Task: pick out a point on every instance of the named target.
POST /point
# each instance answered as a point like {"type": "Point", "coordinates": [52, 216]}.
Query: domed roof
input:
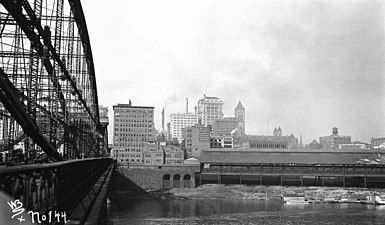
{"type": "Point", "coordinates": [192, 161]}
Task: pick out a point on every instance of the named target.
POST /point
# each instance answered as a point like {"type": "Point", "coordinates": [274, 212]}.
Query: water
{"type": "Point", "coordinates": [127, 210]}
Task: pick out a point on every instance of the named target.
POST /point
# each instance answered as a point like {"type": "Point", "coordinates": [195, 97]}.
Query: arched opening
{"type": "Point", "coordinates": [187, 180]}
{"type": "Point", "coordinates": [176, 183]}
{"type": "Point", "coordinates": [187, 177]}
{"type": "Point", "coordinates": [167, 181]}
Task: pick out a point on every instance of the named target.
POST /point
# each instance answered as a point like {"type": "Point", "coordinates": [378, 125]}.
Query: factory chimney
{"type": "Point", "coordinates": [163, 119]}
{"type": "Point", "coordinates": [186, 105]}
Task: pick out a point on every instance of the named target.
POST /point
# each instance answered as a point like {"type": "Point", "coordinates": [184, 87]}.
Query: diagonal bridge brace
{"type": "Point", "coordinates": [8, 96]}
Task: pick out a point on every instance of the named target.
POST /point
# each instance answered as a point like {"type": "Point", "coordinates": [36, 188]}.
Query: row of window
{"type": "Point", "coordinates": [132, 112]}
{"type": "Point", "coordinates": [129, 144]}
{"type": "Point", "coordinates": [133, 134]}
{"type": "Point", "coordinates": [268, 146]}
{"type": "Point", "coordinates": [132, 125]}
{"type": "Point", "coordinates": [130, 150]}
{"type": "Point", "coordinates": [148, 155]}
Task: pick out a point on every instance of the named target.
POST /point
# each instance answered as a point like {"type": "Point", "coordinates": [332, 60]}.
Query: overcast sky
{"type": "Point", "coordinates": [305, 66]}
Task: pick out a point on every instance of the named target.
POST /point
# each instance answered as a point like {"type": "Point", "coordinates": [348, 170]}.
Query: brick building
{"type": "Point", "coordinates": [335, 140]}
{"type": "Point", "coordinates": [173, 154]}
{"type": "Point", "coordinates": [153, 154]}
{"type": "Point", "coordinates": [196, 138]}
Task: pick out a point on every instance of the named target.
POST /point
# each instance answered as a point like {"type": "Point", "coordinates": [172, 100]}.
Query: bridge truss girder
{"type": "Point", "coordinates": [47, 85]}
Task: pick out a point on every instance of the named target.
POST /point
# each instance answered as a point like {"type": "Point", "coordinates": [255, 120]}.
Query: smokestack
{"type": "Point", "coordinates": [186, 105]}
{"type": "Point", "coordinates": [163, 119]}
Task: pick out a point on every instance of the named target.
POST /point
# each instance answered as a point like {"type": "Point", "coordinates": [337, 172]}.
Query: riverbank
{"type": "Point", "coordinates": [247, 192]}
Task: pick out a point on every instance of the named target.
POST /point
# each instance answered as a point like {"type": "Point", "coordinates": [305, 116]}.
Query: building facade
{"type": "Point", "coordinates": [208, 109]}
{"type": "Point", "coordinates": [277, 141]}
{"type": "Point", "coordinates": [314, 145]}
{"type": "Point", "coordinates": [378, 143]}
{"type": "Point", "coordinates": [354, 146]}
{"type": "Point", "coordinates": [173, 155]}
{"type": "Point", "coordinates": [178, 121]}
{"type": "Point", "coordinates": [196, 138]}
{"type": "Point", "coordinates": [335, 140]}
{"type": "Point", "coordinates": [221, 142]}
{"type": "Point", "coordinates": [133, 128]}
{"type": "Point", "coordinates": [224, 126]}
{"type": "Point", "coordinates": [234, 126]}
{"type": "Point", "coordinates": [104, 121]}
{"type": "Point", "coordinates": [153, 154]}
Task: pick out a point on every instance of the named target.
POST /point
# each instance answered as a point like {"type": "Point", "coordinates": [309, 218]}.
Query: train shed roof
{"type": "Point", "coordinates": [318, 156]}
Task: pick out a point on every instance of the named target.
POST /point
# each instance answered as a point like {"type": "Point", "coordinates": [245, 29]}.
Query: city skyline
{"type": "Point", "coordinates": [306, 66]}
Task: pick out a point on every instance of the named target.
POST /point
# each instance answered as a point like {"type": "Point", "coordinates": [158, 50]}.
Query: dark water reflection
{"type": "Point", "coordinates": [175, 211]}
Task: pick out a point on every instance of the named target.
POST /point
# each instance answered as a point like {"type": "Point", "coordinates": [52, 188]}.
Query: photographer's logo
{"type": "Point", "coordinates": [17, 210]}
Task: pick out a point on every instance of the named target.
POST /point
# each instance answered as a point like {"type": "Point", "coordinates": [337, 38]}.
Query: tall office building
{"type": "Point", "coordinates": [208, 109]}
{"type": "Point", "coordinates": [133, 128]}
{"type": "Point", "coordinates": [178, 121]}
{"type": "Point", "coordinates": [240, 115]}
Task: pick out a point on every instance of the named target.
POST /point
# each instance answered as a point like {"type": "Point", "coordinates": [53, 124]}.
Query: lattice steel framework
{"type": "Point", "coordinates": [47, 82]}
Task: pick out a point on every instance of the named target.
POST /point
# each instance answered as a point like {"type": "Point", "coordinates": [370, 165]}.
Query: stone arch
{"type": "Point", "coordinates": [167, 183]}
{"type": "Point", "coordinates": [166, 177]}
{"type": "Point", "coordinates": [176, 180]}
{"type": "Point", "coordinates": [187, 177]}
{"type": "Point", "coordinates": [187, 180]}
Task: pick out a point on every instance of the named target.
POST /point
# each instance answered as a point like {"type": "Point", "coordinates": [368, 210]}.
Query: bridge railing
{"type": "Point", "coordinates": [57, 186]}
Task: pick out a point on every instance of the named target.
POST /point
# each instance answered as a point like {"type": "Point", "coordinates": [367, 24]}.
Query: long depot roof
{"type": "Point", "coordinates": [296, 156]}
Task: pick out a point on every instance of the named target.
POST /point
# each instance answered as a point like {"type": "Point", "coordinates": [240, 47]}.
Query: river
{"type": "Point", "coordinates": [127, 210]}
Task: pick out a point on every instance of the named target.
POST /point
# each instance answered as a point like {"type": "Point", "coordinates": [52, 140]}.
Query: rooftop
{"type": "Point", "coordinates": [297, 156]}
{"type": "Point", "coordinates": [131, 106]}
{"type": "Point", "coordinates": [267, 138]}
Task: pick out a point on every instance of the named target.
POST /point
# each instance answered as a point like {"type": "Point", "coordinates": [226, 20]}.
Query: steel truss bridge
{"type": "Point", "coordinates": [49, 111]}
{"type": "Point", "coordinates": [47, 81]}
